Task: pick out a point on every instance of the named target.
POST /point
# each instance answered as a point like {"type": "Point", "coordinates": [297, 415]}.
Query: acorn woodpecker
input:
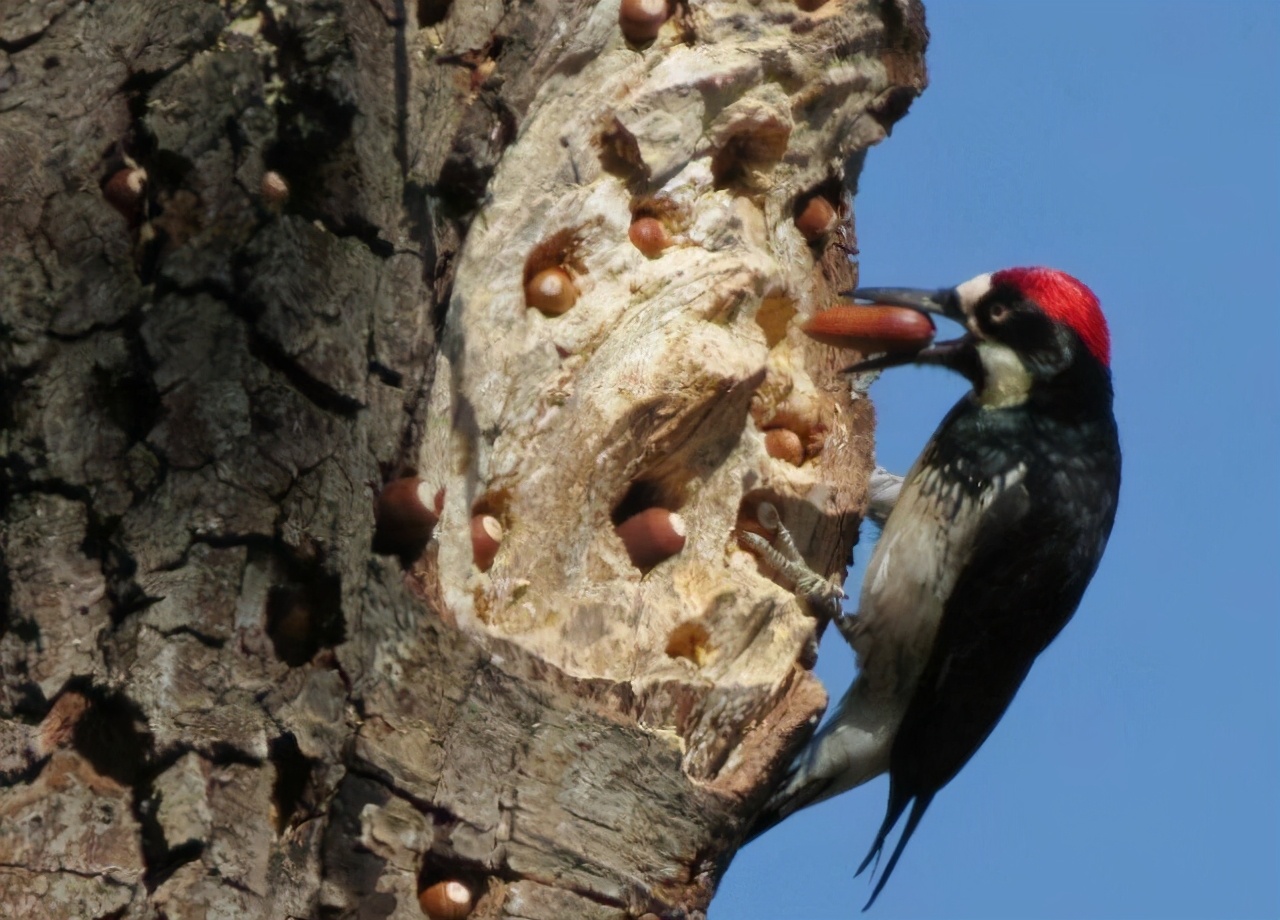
{"type": "Point", "coordinates": [993, 538]}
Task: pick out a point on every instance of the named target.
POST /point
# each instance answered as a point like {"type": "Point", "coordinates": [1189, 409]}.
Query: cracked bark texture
{"type": "Point", "coordinates": [215, 699]}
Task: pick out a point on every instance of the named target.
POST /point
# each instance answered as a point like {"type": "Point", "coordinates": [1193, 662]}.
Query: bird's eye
{"type": "Point", "coordinates": [997, 312]}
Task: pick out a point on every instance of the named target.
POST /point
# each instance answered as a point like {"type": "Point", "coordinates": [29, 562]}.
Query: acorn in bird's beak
{"type": "Point", "coordinates": [894, 322]}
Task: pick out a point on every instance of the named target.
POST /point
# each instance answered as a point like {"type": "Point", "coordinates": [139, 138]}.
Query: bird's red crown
{"type": "Point", "coordinates": [1064, 300]}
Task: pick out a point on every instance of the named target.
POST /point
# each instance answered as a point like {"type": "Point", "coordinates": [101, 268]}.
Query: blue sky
{"type": "Point", "coordinates": [1137, 775]}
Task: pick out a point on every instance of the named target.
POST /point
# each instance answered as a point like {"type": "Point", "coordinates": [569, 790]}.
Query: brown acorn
{"type": "Point", "coordinates": [641, 20]}
{"type": "Point", "coordinates": [404, 516]}
{"type": "Point", "coordinates": [871, 328]}
{"type": "Point", "coordinates": [784, 444]}
{"type": "Point", "coordinates": [551, 291]}
{"type": "Point", "coordinates": [652, 536]}
{"type": "Point", "coordinates": [446, 900]}
{"type": "Point", "coordinates": [649, 236]}
{"type": "Point", "coordinates": [816, 219]}
{"type": "Point", "coordinates": [125, 190]}
{"type": "Point", "coordinates": [486, 537]}
{"type": "Point", "coordinates": [273, 188]}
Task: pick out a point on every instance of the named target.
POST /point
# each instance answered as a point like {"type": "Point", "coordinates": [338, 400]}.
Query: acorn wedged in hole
{"type": "Point", "coordinates": [649, 236]}
{"type": "Point", "coordinates": [274, 188]}
{"type": "Point", "coordinates": [486, 537]}
{"type": "Point", "coordinates": [447, 900]}
{"type": "Point", "coordinates": [651, 536]}
{"type": "Point", "coordinates": [405, 516]}
{"type": "Point", "coordinates": [871, 328]}
{"type": "Point", "coordinates": [125, 190]}
{"type": "Point", "coordinates": [784, 444]}
{"type": "Point", "coordinates": [551, 291]}
{"type": "Point", "coordinates": [641, 20]}
{"type": "Point", "coordinates": [816, 219]}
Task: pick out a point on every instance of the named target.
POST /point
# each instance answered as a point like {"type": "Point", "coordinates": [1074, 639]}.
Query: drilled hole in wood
{"type": "Point", "coordinates": [432, 12]}
{"type": "Point", "coordinates": [774, 316]}
{"type": "Point", "coordinates": [292, 782]}
{"type": "Point", "coordinates": [305, 614]}
{"type": "Point", "coordinates": [754, 148]}
{"type": "Point", "coordinates": [111, 733]}
{"type": "Point", "coordinates": [691, 641]}
{"type": "Point", "coordinates": [620, 155]}
{"type": "Point", "coordinates": [640, 495]}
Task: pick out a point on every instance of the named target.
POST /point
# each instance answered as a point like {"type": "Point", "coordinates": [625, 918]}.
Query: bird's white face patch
{"type": "Point", "coordinates": [972, 291]}
{"type": "Point", "coordinates": [1006, 380]}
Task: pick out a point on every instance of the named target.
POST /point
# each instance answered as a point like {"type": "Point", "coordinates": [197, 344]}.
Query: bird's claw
{"type": "Point", "coordinates": [786, 560]}
{"type": "Point", "coordinates": [848, 625]}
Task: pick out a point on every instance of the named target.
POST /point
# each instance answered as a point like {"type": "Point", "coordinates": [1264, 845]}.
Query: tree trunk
{"type": "Point", "coordinates": [258, 261]}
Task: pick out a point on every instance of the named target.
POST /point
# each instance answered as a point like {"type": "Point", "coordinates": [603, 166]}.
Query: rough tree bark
{"type": "Point", "coordinates": [215, 698]}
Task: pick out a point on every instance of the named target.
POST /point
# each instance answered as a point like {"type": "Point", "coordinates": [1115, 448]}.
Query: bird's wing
{"type": "Point", "coordinates": [992, 515]}
{"type": "Point", "coordinates": [1012, 599]}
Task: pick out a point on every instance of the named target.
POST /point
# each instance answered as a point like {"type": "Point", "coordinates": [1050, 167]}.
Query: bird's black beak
{"type": "Point", "coordinates": [956, 353]}
{"type": "Point", "coordinates": [939, 303]}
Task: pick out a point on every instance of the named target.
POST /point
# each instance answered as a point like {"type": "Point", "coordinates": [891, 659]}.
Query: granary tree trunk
{"type": "Point", "coordinates": [537, 271]}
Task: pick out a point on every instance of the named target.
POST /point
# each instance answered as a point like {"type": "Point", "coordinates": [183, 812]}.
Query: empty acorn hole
{"type": "Point", "coordinates": [111, 732]}
{"type": "Point", "coordinates": [432, 12]}
{"type": "Point", "coordinates": [304, 614]}
{"type": "Point", "coordinates": [620, 155]}
{"type": "Point", "coordinates": [774, 316]}
{"type": "Point", "coordinates": [752, 148]}
{"type": "Point", "coordinates": [691, 641]}
{"type": "Point", "coordinates": [293, 779]}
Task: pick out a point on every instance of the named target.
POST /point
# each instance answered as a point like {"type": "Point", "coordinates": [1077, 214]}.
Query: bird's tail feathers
{"type": "Point", "coordinates": [797, 790]}
{"type": "Point", "coordinates": [849, 749]}
{"type": "Point", "coordinates": [897, 805]}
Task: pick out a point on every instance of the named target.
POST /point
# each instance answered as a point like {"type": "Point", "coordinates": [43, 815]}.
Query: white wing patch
{"type": "Point", "coordinates": [912, 571]}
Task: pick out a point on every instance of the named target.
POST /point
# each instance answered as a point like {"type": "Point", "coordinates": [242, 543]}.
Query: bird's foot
{"type": "Point", "coordinates": [786, 560]}
{"type": "Point", "coordinates": [848, 626]}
